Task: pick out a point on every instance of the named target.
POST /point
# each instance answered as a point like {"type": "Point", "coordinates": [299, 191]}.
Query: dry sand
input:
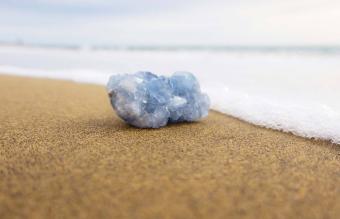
{"type": "Point", "coordinates": [64, 154]}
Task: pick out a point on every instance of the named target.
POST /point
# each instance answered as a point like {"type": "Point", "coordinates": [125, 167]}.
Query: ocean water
{"type": "Point", "coordinates": [292, 89]}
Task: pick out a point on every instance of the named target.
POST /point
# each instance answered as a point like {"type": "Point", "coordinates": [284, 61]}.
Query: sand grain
{"type": "Point", "coordinates": [64, 154]}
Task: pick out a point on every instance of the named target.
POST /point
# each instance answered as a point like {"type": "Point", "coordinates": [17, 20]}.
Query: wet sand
{"type": "Point", "coordinates": [64, 154]}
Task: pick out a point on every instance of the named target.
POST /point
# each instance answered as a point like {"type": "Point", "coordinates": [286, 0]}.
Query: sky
{"type": "Point", "coordinates": [171, 22]}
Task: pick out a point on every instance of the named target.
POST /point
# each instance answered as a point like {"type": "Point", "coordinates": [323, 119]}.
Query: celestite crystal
{"type": "Point", "coordinates": [146, 100]}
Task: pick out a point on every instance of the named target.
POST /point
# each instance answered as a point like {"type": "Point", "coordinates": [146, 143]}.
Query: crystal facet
{"type": "Point", "coordinates": [146, 100]}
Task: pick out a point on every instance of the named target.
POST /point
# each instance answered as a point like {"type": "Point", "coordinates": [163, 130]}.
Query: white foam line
{"type": "Point", "coordinates": [76, 75]}
{"type": "Point", "coordinates": [311, 121]}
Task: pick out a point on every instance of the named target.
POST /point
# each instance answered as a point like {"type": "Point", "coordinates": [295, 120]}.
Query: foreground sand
{"type": "Point", "coordinates": [64, 154]}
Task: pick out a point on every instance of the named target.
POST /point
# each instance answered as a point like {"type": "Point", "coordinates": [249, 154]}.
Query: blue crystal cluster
{"type": "Point", "coordinates": [146, 100]}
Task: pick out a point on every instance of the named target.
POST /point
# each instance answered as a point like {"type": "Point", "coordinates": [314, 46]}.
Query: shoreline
{"type": "Point", "coordinates": [64, 153]}
{"type": "Point", "coordinates": [311, 119]}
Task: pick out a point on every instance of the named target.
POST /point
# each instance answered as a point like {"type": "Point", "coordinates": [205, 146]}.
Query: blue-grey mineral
{"type": "Point", "coordinates": [146, 100]}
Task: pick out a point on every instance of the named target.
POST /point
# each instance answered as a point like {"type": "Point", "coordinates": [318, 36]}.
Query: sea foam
{"type": "Point", "coordinates": [288, 92]}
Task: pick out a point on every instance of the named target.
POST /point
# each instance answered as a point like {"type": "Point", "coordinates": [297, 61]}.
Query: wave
{"type": "Point", "coordinates": [311, 120]}
{"type": "Point", "coordinates": [303, 50]}
{"type": "Point", "coordinates": [292, 94]}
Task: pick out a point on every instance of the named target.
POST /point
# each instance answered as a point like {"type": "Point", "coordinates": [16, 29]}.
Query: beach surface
{"type": "Point", "coordinates": [65, 154]}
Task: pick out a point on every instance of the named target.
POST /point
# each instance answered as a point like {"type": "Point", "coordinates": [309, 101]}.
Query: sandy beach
{"type": "Point", "coordinates": [65, 154]}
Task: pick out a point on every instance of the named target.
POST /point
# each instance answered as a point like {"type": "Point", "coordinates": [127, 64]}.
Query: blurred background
{"type": "Point", "coordinates": [263, 46]}
{"type": "Point", "coordinates": [187, 23]}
